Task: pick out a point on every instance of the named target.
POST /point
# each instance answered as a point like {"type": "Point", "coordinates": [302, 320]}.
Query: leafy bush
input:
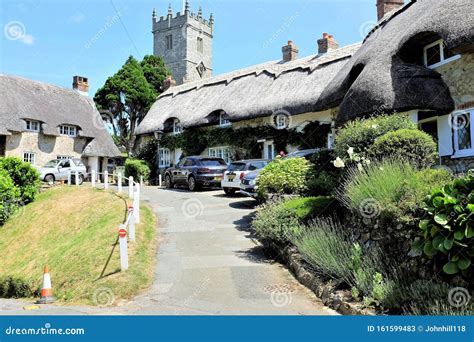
{"type": "Point", "coordinates": [413, 145]}
{"type": "Point", "coordinates": [13, 287]}
{"type": "Point", "coordinates": [137, 168]}
{"type": "Point", "coordinates": [323, 177]}
{"type": "Point", "coordinates": [361, 133]}
{"type": "Point", "coordinates": [390, 190]}
{"type": "Point", "coordinates": [9, 196]}
{"type": "Point", "coordinates": [283, 176]}
{"type": "Point", "coordinates": [24, 176]}
{"type": "Point", "coordinates": [448, 226]}
{"type": "Point", "coordinates": [274, 223]}
{"type": "Point", "coordinates": [306, 208]}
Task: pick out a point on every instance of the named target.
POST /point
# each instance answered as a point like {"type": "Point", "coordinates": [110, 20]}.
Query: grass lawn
{"type": "Point", "coordinates": [73, 230]}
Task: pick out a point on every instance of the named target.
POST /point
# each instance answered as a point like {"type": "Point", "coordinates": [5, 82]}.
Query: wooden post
{"type": "Point", "coordinates": [141, 180]}
{"type": "Point", "coordinates": [130, 187]}
{"type": "Point", "coordinates": [76, 178]}
{"type": "Point", "coordinates": [131, 213]}
{"type": "Point", "coordinates": [93, 178]}
{"type": "Point", "coordinates": [69, 177]}
{"type": "Point", "coordinates": [119, 182]}
{"type": "Point", "coordinates": [136, 204]}
{"type": "Point", "coordinates": [106, 180]}
{"type": "Point", "coordinates": [160, 181]}
{"type": "Point", "coordinates": [123, 248]}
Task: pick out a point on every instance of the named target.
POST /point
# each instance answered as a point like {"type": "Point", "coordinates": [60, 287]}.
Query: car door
{"type": "Point", "coordinates": [187, 168]}
{"type": "Point", "coordinates": [63, 169]}
{"type": "Point", "coordinates": [177, 171]}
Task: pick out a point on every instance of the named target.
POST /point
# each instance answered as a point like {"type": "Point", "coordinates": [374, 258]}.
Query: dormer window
{"type": "Point", "coordinates": [224, 120]}
{"type": "Point", "coordinates": [437, 54]}
{"type": "Point", "coordinates": [67, 130]}
{"type": "Point", "coordinates": [32, 126]}
{"type": "Point", "coordinates": [176, 126]}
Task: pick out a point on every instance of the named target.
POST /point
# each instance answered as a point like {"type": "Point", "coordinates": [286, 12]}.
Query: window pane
{"type": "Point", "coordinates": [433, 55]}
{"type": "Point", "coordinates": [464, 132]}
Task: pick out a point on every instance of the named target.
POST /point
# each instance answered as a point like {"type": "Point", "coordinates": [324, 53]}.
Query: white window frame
{"type": "Point", "coordinates": [281, 121]}
{"type": "Point", "coordinates": [466, 152]}
{"type": "Point", "coordinates": [68, 131]}
{"type": "Point", "coordinates": [32, 126]}
{"type": "Point", "coordinates": [442, 61]}
{"type": "Point", "coordinates": [176, 127]}
{"type": "Point", "coordinates": [330, 142]}
{"type": "Point", "coordinates": [220, 152]}
{"type": "Point", "coordinates": [165, 157]}
{"type": "Point", "coordinates": [29, 157]}
{"type": "Point", "coordinates": [224, 120]}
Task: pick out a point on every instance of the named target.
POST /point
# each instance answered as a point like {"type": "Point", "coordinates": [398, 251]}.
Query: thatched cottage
{"type": "Point", "coordinates": [40, 122]}
{"type": "Point", "coordinates": [418, 59]}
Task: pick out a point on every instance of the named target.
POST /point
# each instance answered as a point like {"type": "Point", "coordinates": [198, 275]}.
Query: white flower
{"type": "Point", "coordinates": [359, 166]}
{"type": "Point", "coordinates": [381, 168]}
{"type": "Point", "coordinates": [338, 163]}
{"type": "Point", "coordinates": [367, 161]}
{"type": "Point", "coordinates": [374, 126]}
{"type": "Point", "coordinates": [350, 151]}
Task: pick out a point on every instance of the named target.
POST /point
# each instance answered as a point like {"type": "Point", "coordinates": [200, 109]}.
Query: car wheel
{"type": "Point", "coordinates": [49, 179]}
{"type": "Point", "coordinates": [229, 191]}
{"type": "Point", "coordinates": [168, 182]}
{"type": "Point", "coordinates": [192, 184]}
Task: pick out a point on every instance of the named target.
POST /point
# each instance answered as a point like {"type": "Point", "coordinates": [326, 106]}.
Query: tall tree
{"type": "Point", "coordinates": [127, 96]}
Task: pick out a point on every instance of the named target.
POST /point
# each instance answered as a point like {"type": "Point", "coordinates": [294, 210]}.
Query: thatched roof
{"type": "Point", "coordinates": [259, 90]}
{"type": "Point", "coordinates": [386, 74]}
{"type": "Point", "coordinates": [53, 106]}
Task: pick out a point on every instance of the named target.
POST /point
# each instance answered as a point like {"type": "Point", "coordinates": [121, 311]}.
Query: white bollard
{"type": "Point", "coordinates": [76, 178]}
{"type": "Point", "coordinates": [123, 248]}
{"type": "Point", "coordinates": [69, 177]}
{"type": "Point", "coordinates": [93, 178]}
{"type": "Point", "coordinates": [119, 182]}
{"type": "Point", "coordinates": [160, 181]}
{"type": "Point", "coordinates": [130, 187]}
{"type": "Point", "coordinates": [136, 204]}
{"type": "Point", "coordinates": [106, 180]}
{"type": "Point", "coordinates": [141, 180]}
{"type": "Point", "coordinates": [132, 223]}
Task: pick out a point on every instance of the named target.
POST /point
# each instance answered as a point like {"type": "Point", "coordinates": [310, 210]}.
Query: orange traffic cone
{"type": "Point", "coordinates": [47, 290]}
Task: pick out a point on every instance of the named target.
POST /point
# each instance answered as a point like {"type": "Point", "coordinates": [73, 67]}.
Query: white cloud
{"type": "Point", "coordinates": [78, 17]}
{"type": "Point", "coordinates": [27, 39]}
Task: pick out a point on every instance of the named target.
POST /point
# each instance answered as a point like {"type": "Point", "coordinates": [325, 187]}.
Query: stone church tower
{"type": "Point", "coordinates": [184, 42]}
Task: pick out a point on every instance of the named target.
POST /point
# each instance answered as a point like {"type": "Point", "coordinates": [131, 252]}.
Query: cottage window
{"type": "Point", "coordinates": [437, 54]}
{"type": "Point", "coordinates": [169, 42]}
{"type": "Point", "coordinates": [224, 120]}
{"type": "Point", "coordinates": [32, 126]}
{"type": "Point", "coordinates": [221, 152]}
{"type": "Point", "coordinates": [67, 130]}
{"type": "Point", "coordinates": [281, 121]}
{"type": "Point", "coordinates": [429, 126]}
{"type": "Point", "coordinates": [165, 157]}
{"type": "Point", "coordinates": [29, 157]}
{"type": "Point", "coordinates": [63, 157]}
{"type": "Point", "coordinates": [200, 45]}
{"type": "Point", "coordinates": [176, 126]}
{"type": "Point", "coordinates": [463, 131]}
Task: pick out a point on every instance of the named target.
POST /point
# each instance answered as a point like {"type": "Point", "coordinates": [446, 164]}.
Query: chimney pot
{"type": "Point", "coordinates": [385, 6]}
{"type": "Point", "coordinates": [327, 43]}
{"type": "Point", "coordinates": [81, 85]}
{"type": "Point", "coordinates": [290, 52]}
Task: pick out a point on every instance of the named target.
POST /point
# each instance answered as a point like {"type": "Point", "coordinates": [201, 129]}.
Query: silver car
{"type": "Point", "coordinates": [59, 169]}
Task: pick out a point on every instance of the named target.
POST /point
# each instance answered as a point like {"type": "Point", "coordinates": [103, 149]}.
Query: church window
{"type": "Point", "coordinates": [169, 42]}
{"type": "Point", "coordinates": [200, 46]}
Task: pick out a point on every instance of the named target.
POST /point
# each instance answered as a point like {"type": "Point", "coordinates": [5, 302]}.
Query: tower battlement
{"type": "Point", "coordinates": [184, 41]}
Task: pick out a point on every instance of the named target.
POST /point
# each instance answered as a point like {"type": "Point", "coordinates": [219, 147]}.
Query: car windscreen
{"type": "Point", "coordinates": [51, 163]}
{"type": "Point", "coordinates": [213, 162]}
{"type": "Point", "coordinates": [257, 165]}
{"type": "Point", "coordinates": [237, 167]}
{"type": "Point", "coordinates": [78, 162]}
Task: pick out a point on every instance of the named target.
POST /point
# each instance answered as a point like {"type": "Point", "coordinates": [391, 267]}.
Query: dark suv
{"type": "Point", "coordinates": [196, 171]}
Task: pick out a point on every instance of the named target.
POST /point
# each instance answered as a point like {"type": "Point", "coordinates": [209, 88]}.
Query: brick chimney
{"type": "Point", "coordinates": [327, 43]}
{"type": "Point", "coordinates": [290, 52]}
{"type": "Point", "coordinates": [81, 85]}
{"type": "Point", "coordinates": [168, 83]}
{"type": "Point", "coordinates": [385, 6]}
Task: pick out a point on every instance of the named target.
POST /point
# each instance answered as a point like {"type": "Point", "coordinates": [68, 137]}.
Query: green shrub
{"type": "Point", "coordinates": [361, 133]}
{"type": "Point", "coordinates": [274, 223]}
{"type": "Point", "coordinates": [25, 177]}
{"type": "Point", "coordinates": [137, 168]}
{"type": "Point", "coordinates": [9, 196]}
{"type": "Point", "coordinates": [391, 190]}
{"type": "Point", "coordinates": [322, 178]}
{"type": "Point", "coordinates": [306, 208]}
{"type": "Point", "coordinates": [448, 226]}
{"type": "Point", "coordinates": [283, 176]}
{"type": "Point", "coordinates": [413, 145]}
{"type": "Point", "coordinates": [14, 287]}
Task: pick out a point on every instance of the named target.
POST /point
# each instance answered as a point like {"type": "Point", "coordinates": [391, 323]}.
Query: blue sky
{"type": "Point", "coordinates": [52, 40]}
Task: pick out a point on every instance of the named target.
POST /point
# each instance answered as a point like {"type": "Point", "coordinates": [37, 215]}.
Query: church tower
{"type": "Point", "coordinates": [184, 42]}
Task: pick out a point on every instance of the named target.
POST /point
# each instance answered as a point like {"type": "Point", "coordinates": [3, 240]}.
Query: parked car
{"type": "Point", "coordinates": [195, 172]}
{"type": "Point", "coordinates": [236, 172]}
{"type": "Point", "coordinates": [248, 185]}
{"type": "Point", "coordinates": [58, 169]}
{"type": "Point", "coordinates": [307, 154]}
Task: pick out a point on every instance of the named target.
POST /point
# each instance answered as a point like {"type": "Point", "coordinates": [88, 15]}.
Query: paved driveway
{"type": "Point", "coordinates": [208, 263]}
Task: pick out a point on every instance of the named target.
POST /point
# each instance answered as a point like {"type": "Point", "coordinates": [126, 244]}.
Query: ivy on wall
{"type": "Point", "coordinates": [242, 141]}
